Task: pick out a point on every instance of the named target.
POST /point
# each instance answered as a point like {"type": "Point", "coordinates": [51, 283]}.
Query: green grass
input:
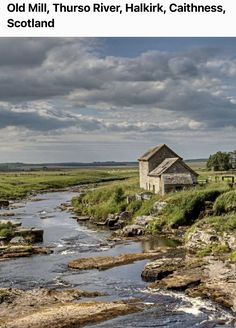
{"type": "Point", "coordinates": [213, 248]}
{"type": "Point", "coordinates": [224, 223]}
{"type": "Point", "coordinates": [19, 185]}
{"type": "Point", "coordinates": [6, 230]}
{"type": "Point", "coordinates": [183, 208]}
{"type": "Point", "coordinates": [233, 256]}
{"type": "Point", "coordinates": [112, 198]}
{"type": "Point", "coordinates": [108, 199]}
{"type": "Point", "coordinates": [225, 203]}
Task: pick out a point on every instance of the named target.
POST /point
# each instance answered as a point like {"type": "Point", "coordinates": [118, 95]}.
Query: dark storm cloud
{"type": "Point", "coordinates": [25, 51]}
{"type": "Point", "coordinates": [196, 85]}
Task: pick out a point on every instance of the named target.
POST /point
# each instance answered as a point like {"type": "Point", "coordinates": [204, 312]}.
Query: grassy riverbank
{"type": "Point", "coordinates": [210, 206]}
{"type": "Point", "coordinates": [19, 185]}
{"type": "Point", "coordinates": [111, 199]}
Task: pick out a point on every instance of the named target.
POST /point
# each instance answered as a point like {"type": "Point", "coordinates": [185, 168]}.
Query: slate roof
{"type": "Point", "coordinates": [177, 179]}
{"type": "Point", "coordinates": [153, 151]}
{"type": "Point", "coordinates": [165, 165]}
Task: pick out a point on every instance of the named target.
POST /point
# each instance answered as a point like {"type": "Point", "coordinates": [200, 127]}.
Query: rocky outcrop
{"type": "Point", "coordinates": [200, 237]}
{"type": "Point", "coordinates": [143, 220]}
{"type": "Point", "coordinates": [132, 230]}
{"type": "Point", "coordinates": [15, 251]}
{"type": "Point", "coordinates": [32, 235]}
{"type": "Point", "coordinates": [158, 206]}
{"type": "Point", "coordinates": [143, 196]}
{"type": "Point", "coordinates": [18, 241]}
{"type": "Point", "coordinates": [181, 281]}
{"type": "Point", "coordinates": [106, 262]}
{"type": "Point", "coordinates": [66, 207]}
{"type": "Point", "coordinates": [42, 308]}
{"type": "Point", "coordinates": [82, 218]}
{"type": "Point", "coordinates": [208, 277]}
{"type": "Point", "coordinates": [160, 268]}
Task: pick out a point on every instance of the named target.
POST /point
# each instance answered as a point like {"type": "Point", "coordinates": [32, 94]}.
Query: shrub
{"type": "Point", "coordinates": [118, 195]}
{"type": "Point", "coordinates": [134, 205]}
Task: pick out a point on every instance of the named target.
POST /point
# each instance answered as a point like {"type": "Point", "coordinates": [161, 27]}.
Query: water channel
{"type": "Point", "coordinates": [71, 240]}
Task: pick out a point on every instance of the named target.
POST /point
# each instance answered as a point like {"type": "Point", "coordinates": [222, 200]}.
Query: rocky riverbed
{"type": "Point", "coordinates": [209, 277]}
{"type": "Point", "coordinates": [43, 308]}
{"type": "Point", "coordinates": [74, 241]}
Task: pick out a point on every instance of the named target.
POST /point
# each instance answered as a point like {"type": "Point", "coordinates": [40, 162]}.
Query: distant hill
{"type": "Point", "coordinates": [53, 166]}
{"type": "Point", "coordinates": [195, 160]}
{"type": "Point", "coordinates": [18, 166]}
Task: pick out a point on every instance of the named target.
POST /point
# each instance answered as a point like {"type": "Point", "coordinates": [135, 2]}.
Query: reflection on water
{"type": "Point", "coordinates": [155, 242]}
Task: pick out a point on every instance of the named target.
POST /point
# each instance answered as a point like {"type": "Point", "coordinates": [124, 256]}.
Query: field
{"type": "Point", "coordinates": [20, 184]}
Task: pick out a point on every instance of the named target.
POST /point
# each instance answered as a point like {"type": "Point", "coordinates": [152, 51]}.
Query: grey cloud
{"type": "Point", "coordinates": [193, 85]}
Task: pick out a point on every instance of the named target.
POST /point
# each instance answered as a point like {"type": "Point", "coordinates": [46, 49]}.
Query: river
{"type": "Point", "coordinates": [71, 240]}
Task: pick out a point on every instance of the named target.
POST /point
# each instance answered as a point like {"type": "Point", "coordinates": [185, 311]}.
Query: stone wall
{"type": "Point", "coordinates": [154, 184]}
{"type": "Point", "coordinates": [143, 174]}
{"type": "Point", "coordinates": [159, 157]}
{"type": "Point", "coordinates": [145, 167]}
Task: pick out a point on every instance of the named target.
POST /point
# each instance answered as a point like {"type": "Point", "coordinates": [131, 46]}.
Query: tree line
{"type": "Point", "coordinates": [222, 161]}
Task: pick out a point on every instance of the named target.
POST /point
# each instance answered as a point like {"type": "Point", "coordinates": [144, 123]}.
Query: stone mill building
{"type": "Point", "coordinates": [161, 170]}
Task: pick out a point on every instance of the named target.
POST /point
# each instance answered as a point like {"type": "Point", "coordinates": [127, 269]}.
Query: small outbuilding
{"type": "Point", "coordinates": [161, 170]}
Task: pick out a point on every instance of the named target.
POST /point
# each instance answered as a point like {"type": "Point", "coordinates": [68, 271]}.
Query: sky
{"type": "Point", "coordinates": [111, 99]}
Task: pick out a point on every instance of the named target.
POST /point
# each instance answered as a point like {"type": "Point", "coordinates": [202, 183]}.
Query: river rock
{"type": "Point", "coordinates": [82, 218]}
{"type": "Point", "coordinates": [43, 308]}
{"type": "Point", "coordinates": [158, 206]}
{"type": "Point", "coordinates": [181, 281]}
{"type": "Point", "coordinates": [204, 236]}
{"type": "Point", "coordinates": [199, 238]}
{"type": "Point", "coordinates": [126, 215]}
{"type": "Point", "coordinates": [161, 268]}
{"type": "Point", "coordinates": [229, 239]}
{"type": "Point", "coordinates": [106, 262]}
{"type": "Point", "coordinates": [37, 235]}
{"type": "Point", "coordinates": [34, 235]}
{"type": "Point", "coordinates": [133, 230]}
{"type": "Point", "coordinates": [18, 241]}
{"type": "Point", "coordinates": [143, 220]}
{"type": "Point", "coordinates": [15, 251]}
{"type": "Point", "coordinates": [112, 220]}
{"type": "Point", "coordinates": [7, 214]}
{"type": "Point", "coordinates": [143, 196]}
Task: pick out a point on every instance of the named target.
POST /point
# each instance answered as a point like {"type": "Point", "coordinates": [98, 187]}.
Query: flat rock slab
{"type": "Point", "coordinates": [72, 315]}
{"type": "Point", "coordinates": [45, 308]}
{"type": "Point", "coordinates": [82, 218]}
{"type": "Point", "coordinates": [106, 262]}
{"type": "Point", "coordinates": [11, 252]}
{"type": "Point", "coordinates": [180, 281]}
{"type": "Point", "coordinates": [161, 268]}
